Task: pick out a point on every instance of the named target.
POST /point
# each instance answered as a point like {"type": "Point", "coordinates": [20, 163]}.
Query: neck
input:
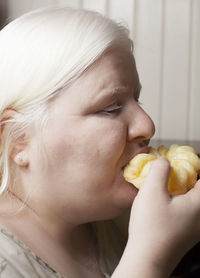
{"type": "Point", "coordinates": [64, 246]}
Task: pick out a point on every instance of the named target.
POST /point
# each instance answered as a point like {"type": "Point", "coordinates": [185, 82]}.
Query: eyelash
{"type": "Point", "coordinates": [115, 110]}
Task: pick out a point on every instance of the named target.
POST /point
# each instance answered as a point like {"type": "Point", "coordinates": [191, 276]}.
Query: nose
{"type": "Point", "coordinates": [140, 125]}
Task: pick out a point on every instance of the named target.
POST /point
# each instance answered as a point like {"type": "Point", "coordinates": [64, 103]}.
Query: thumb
{"type": "Point", "coordinates": [158, 177]}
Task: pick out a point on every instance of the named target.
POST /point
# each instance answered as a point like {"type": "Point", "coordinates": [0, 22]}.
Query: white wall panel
{"type": "Point", "coordinates": [175, 80]}
{"type": "Point", "coordinates": [121, 10]}
{"type": "Point", "coordinates": [99, 6]}
{"type": "Point", "coordinates": [69, 3]}
{"type": "Point", "coordinates": [19, 7]}
{"type": "Point", "coordinates": [194, 123]}
{"type": "Point", "coordinates": [148, 41]}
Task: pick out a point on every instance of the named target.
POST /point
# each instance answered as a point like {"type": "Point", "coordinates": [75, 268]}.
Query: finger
{"type": "Point", "coordinates": [158, 177]}
{"type": "Point", "coordinates": [194, 194]}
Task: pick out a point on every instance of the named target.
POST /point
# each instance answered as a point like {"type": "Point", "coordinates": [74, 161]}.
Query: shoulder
{"type": "Point", "coordinates": [17, 261]}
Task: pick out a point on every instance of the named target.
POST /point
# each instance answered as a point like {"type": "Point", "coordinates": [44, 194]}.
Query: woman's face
{"type": "Point", "coordinates": [95, 127]}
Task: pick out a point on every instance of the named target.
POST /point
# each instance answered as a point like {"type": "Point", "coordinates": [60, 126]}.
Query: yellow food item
{"type": "Point", "coordinates": [184, 161]}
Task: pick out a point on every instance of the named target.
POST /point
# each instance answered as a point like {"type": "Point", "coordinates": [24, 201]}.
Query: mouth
{"type": "Point", "coordinates": [143, 149]}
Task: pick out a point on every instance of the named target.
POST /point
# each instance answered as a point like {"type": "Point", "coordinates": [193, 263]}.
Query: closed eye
{"type": "Point", "coordinates": [113, 110]}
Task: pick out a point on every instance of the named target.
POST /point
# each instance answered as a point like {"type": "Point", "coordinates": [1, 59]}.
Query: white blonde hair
{"type": "Point", "coordinates": [40, 53]}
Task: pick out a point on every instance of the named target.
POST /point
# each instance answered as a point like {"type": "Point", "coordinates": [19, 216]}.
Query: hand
{"type": "Point", "coordinates": [163, 228]}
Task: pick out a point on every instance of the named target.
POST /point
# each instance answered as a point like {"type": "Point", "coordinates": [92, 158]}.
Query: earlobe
{"type": "Point", "coordinates": [21, 159]}
{"type": "Point", "coordinates": [18, 151]}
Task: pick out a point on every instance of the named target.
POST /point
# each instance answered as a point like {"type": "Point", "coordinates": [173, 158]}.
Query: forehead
{"type": "Point", "coordinates": [114, 71]}
{"type": "Point", "coordinates": [117, 63]}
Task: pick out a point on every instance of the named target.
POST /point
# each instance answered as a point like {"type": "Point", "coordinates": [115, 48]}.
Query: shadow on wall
{"type": "Point", "coordinates": [3, 13]}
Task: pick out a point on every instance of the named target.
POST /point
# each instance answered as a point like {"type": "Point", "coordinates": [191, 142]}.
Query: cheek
{"type": "Point", "coordinates": [102, 155]}
{"type": "Point", "coordinates": [56, 146]}
{"type": "Point", "coordinates": [89, 149]}
{"type": "Point", "coordinates": [117, 135]}
{"type": "Point", "coordinates": [107, 141]}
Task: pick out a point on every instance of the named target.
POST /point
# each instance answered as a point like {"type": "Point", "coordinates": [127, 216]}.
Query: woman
{"type": "Point", "coordinates": [70, 122]}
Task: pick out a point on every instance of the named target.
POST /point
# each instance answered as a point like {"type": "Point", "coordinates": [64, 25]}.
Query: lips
{"type": "Point", "coordinates": [144, 149]}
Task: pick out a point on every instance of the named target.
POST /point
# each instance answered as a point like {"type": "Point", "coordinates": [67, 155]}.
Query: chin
{"type": "Point", "coordinates": [123, 194]}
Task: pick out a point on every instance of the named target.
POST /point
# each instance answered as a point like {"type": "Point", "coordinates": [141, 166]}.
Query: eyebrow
{"type": "Point", "coordinates": [121, 90]}
{"type": "Point", "coordinates": [117, 91]}
{"type": "Point", "coordinates": [112, 93]}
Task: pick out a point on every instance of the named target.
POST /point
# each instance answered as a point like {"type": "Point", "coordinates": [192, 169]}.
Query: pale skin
{"type": "Point", "coordinates": [95, 127]}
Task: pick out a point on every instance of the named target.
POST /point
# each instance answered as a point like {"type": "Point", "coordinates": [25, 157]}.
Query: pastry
{"type": "Point", "coordinates": [185, 167]}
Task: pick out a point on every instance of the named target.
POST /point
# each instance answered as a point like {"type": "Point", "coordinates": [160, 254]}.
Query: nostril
{"type": "Point", "coordinates": [144, 143]}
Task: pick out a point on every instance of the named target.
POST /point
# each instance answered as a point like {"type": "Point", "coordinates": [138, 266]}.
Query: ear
{"type": "Point", "coordinates": [19, 151]}
{"type": "Point", "coordinates": [21, 159]}
{"type": "Point", "coordinates": [18, 148]}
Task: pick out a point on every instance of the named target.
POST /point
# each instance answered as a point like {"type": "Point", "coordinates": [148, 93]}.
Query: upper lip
{"type": "Point", "coordinates": [144, 149]}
